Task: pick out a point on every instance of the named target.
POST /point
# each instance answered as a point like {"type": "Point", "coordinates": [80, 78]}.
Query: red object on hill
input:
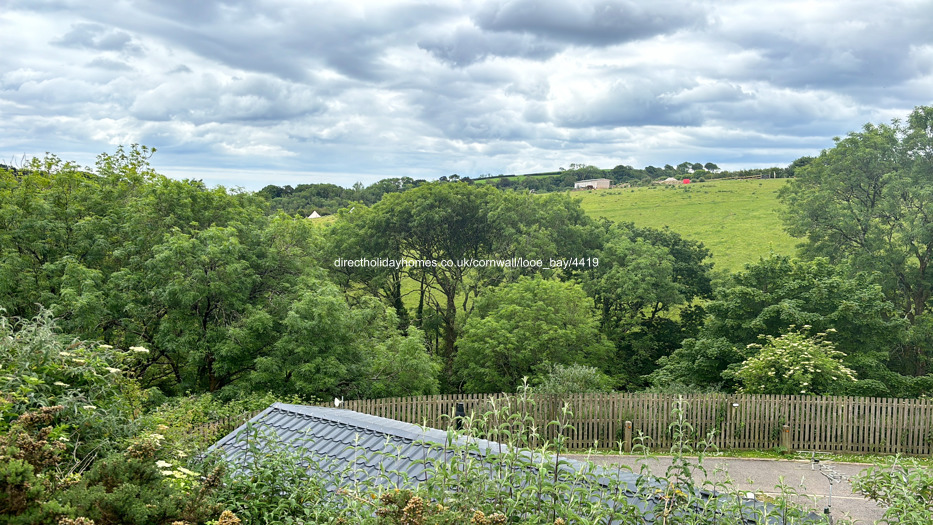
{"type": "Point", "coordinates": [686, 181]}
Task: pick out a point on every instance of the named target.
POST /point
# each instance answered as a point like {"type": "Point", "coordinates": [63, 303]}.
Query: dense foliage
{"type": "Point", "coordinates": [767, 299]}
{"type": "Point", "coordinates": [224, 295]}
{"type": "Point", "coordinates": [867, 202]}
{"type": "Point", "coordinates": [522, 328]}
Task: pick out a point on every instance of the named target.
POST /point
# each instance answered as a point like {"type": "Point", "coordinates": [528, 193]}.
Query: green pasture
{"type": "Point", "coordinates": [737, 220]}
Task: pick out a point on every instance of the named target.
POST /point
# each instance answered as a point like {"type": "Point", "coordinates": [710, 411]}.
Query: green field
{"type": "Point", "coordinates": [737, 220]}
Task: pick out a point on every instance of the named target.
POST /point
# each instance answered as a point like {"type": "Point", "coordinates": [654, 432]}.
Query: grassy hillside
{"type": "Point", "coordinates": [736, 219]}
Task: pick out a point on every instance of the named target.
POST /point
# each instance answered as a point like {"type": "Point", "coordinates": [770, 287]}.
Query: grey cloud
{"type": "Point", "coordinates": [399, 89]}
{"type": "Point", "coordinates": [196, 12]}
{"type": "Point", "coordinates": [468, 44]}
{"type": "Point", "coordinates": [210, 99]}
{"type": "Point", "coordinates": [96, 36]}
{"type": "Point", "coordinates": [291, 40]}
{"type": "Point", "coordinates": [859, 48]}
{"type": "Point", "coordinates": [112, 65]}
{"type": "Point", "coordinates": [599, 22]}
{"type": "Point", "coordinates": [628, 102]}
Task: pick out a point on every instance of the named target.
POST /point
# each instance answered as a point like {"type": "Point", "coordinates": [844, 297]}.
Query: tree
{"type": "Point", "coordinates": [441, 225]}
{"type": "Point", "coordinates": [797, 164]}
{"type": "Point", "coordinates": [584, 171]}
{"type": "Point", "coordinates": [709, 166]}
{"type": "Point", "coordinates": [201, 277]}
{"type": "Point", "coordinates": [362, 233]}
{"type": "Point", "coordinates": [449, 223]}
{"type": "Point", "coordinates": [521, 328]}
{"type": "Point", "coordinates": [330, 349]}
{"type": "Point", "coordinates": [645, 275]}
{"type": "Point", "coordinates": [869, 201]}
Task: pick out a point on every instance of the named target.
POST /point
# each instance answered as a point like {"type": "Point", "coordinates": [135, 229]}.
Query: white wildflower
{"type": "Point", "coordinates": [139, 349]}
{"type": "Point", "coordinates": [59, 383]}
{"type": "Point", "coordinates": [163, 464]}
{"type": "Point", "coordinates": [89, 407]}
{"type": "Point", "coordinates": [166, 472]}
{"type": "Point", "coordinates": [112, 370]}
{"type": "Point", "coordinates": [105, 347]}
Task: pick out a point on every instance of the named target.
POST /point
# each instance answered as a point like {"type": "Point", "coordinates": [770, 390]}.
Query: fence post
{"type": "Point", "coordinates": [627, 434]}
{"type": "Point", "coordinates": [785, 438]}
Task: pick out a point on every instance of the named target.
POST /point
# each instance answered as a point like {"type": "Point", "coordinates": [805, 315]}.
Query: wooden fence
{"type": "Point", "coordinates": [210, 432]}
{"type": "Point", "coordinates": [739, 422]}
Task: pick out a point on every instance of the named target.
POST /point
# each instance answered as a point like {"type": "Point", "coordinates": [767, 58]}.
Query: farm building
{"type": "Point", "coordinates": [351, 449]}
{"type": "Point", "coordinates": [592, 184]}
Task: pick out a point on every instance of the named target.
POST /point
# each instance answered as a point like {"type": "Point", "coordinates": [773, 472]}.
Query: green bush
{"type": "Point", "coordinates": [281, 485]}
{"type": "Point", "coordinates": [131, 488]}
{"type": "Point", "coordinates": [794, 364]}
{"type": "Point", "coordinates": [72, 445]}
{"type": "Point", "coordinates": [191, 423]}
{"type": "Point", "coordinates": [573, 379]}
{"type": "Point", "coordinates": [41, 368]}
{"type": "Point", "coordinates": [901, 485]}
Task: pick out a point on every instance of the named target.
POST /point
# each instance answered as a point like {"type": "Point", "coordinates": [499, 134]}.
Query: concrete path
{"type": "Point", "coordinates": [763, 475]}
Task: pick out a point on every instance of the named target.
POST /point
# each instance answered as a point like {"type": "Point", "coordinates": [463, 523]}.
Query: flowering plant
{"type": "Point", "coordinates": [794, 364]}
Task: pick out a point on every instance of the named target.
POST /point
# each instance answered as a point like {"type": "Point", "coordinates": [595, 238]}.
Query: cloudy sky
{"type": "Point", "coordinates": [249, 93]}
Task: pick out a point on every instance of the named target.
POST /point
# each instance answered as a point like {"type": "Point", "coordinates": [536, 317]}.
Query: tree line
{"type": "Point", "coordinates": [326, 199]}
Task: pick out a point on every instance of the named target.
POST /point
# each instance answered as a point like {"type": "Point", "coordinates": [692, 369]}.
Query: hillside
{"type": "Point", "coordinates": [736, 219]}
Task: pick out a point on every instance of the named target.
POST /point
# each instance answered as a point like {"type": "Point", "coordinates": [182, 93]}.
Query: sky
{"type": "Point", "coordinates": [250, 93]}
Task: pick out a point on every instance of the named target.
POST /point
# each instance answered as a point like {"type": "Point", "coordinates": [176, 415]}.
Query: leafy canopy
{"type": "Point", "coordinates": [523, 327]}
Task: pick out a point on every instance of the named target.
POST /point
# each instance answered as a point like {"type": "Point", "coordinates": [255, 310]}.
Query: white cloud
{"type": "Point", "coordinates": [366, 90]}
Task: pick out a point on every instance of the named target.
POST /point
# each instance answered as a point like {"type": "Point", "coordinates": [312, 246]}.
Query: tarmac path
{"type": "Point", "coordinates": [762, 476]}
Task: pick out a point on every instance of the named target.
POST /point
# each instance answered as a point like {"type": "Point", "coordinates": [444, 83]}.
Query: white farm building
{"type": "Point", "coordinates": [592, 184]}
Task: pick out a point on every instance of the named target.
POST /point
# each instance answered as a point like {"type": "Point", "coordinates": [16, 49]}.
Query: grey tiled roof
{"type": "Point", "coordinates": [358, 445]}
{"type": "Point", "coordinates": [346, 446]}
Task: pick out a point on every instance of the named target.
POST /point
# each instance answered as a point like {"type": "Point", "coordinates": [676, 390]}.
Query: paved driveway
{"type": "Point", "coordinates": [763, 475]}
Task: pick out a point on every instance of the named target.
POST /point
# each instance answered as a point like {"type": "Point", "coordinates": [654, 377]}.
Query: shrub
{"type": "Point", "coordinates": [903, 486]}
{"type": "Point", "coordinates": [573, 379]}
{"type": "Point", "coordinates": [134, 488]}
{"type": "Point", "coordinates": [794, 364]}
{"type": "Point", "coordinates": [41, 368]}
{"type": "Point", "coordinates": [279, 485]}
